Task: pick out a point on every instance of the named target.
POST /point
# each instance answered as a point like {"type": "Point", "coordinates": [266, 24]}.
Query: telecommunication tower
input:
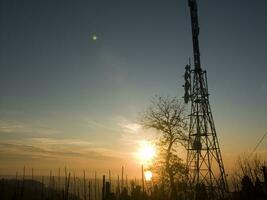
{"type": "Point", "coordinates": [206, 174]}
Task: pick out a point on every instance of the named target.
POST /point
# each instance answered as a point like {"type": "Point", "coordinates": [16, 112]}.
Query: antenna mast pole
{"type": "Point", "coordinates": [195, 33]}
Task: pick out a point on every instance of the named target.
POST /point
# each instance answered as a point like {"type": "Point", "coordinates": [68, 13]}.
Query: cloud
{"type": "Point", "coordinates": [21, 139]}
{"type": "Point", "coordinates": [8, 126]}
{"type": "Point", "coordinates": [19, 150]}
{"type": "Point", "coordinates": [58, 141]}
{"type": "Point", "coordinates": [94, 124]}
{"type": "Point", "coordinates": [52, 149]}
{"type": "Point", "coordinates": [130, 127]}
{"type": "Point", "coordinates": [132, 133]}
{"type": "Point", "coordinates": [99, 125]}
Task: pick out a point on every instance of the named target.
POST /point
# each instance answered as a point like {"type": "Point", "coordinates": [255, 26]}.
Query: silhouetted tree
{"type": "Point", "coordinates": [167, 116]}
{"type": "Point", "coordinates": [247, 188]}
{"type": "Point", "coordinates": [247, 166]}
{"type": "Point", "coordinates": [124, 194]}
{"type": "Point", "coordinates": [201, 192]}
{"type": "Point", "coordinates": [258, 189]}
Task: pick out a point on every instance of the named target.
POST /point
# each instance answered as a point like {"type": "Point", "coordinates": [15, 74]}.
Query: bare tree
{"type": "Point", "coordinates": [251, 167]}
{"type": "Point", "coordinates": [167, 116]}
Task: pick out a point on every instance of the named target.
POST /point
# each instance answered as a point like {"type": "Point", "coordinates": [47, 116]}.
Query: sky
{"type": "Point", "coordinates": [69, 100]}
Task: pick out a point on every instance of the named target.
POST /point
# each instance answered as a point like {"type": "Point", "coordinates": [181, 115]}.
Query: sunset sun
{"type": "Point", "coordinates": [146, 152]}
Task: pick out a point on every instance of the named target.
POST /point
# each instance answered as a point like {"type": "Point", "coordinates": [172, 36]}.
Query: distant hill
{"type": "Point", "coordinates": [11, 189]}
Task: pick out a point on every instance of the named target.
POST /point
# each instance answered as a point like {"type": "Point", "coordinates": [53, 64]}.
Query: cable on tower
{"type": "Point", "coordinates": [258, 144]}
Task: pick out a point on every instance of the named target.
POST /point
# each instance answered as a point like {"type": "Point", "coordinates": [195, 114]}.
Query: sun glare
{"type": "Point", "coordinates": [146, 153]}
{"type": "Point", "coordinates": [148, 175]}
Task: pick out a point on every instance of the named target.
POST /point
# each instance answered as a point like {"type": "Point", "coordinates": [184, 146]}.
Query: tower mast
{"type": "Point", "coordinates": [206, 174]}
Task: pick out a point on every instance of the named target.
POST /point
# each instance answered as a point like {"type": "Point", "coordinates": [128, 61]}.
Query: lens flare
{"type": "Point", "coordinates": [148, 175]}
{"type": "Point", "coordinates": [94, 37]}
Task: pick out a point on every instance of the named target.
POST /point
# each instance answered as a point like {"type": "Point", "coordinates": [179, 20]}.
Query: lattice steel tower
{"type": "Point", "coordinates": [206, 174]}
